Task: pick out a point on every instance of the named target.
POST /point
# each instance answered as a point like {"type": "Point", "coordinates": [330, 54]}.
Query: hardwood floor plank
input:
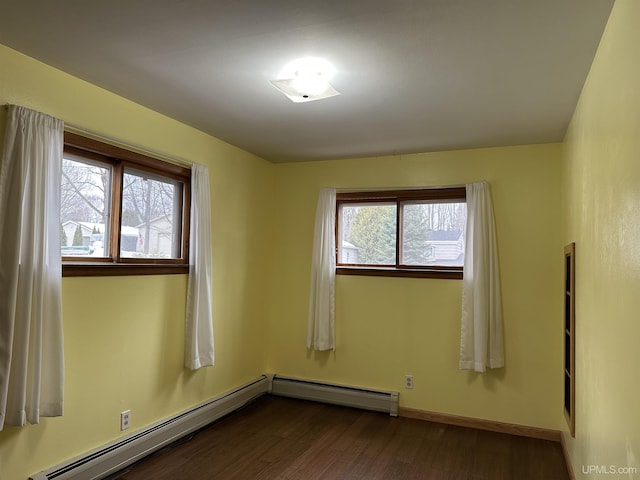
{"type": "Point", "coordinates": [286, 439]}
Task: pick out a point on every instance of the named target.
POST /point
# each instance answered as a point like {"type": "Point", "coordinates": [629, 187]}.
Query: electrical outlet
{"type": "Point", "coordinates": [125, 419]}
{"type": "Point", "coordinates": [408, 381]}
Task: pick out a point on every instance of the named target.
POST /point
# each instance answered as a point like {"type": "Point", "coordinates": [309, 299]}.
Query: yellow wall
{"type": "Point", "coordinates": [601, 185]}
{"type": "Point", "coordinates": [123, 335]}
{"type": "Point", "coordinates": [389, 327]}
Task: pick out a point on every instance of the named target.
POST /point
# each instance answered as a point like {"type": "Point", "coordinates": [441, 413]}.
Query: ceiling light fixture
{"type": "Point", "coordinates": [306, 79]}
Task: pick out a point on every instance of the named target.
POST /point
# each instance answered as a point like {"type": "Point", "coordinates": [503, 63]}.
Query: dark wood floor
{"type": "Point", "coordinates": [281, 438]}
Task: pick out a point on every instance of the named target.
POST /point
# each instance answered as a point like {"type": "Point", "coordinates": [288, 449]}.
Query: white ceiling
{"type": "Point", "coordinates": [415, 75]}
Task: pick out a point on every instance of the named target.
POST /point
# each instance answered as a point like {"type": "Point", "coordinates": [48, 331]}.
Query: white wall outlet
{"type": "Point", "coordinates": [125, 419]}
{"type": "Point", "coordinates": [408, 381]}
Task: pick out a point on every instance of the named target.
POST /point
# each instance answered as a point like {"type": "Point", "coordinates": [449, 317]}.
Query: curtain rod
{"type": "Point", "coordinates": [71, 128]}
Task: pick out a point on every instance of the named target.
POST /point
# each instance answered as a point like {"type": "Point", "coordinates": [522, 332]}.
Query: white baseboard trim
{"type": "Point", "coordinates": [123, 452]}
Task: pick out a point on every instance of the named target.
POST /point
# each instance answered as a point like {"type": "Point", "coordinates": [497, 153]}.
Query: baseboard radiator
{"type": "Point", "coordinates": [377, 400]}
{"type": "Point", "coordinates": [123, 452]}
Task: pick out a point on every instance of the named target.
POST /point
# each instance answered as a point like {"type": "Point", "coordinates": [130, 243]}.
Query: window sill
{"type": "Point", "coordinates": [444, 273]}
{"type": "Point", "coordinates": [119, 269]}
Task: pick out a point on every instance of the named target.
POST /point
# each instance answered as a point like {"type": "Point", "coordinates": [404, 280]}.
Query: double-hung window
{"type": "Point", "coordinates": [122, 212]}
{"type": "Point", "coordinates": [418, 233]}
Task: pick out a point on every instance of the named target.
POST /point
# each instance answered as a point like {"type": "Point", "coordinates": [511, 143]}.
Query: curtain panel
{"type": "Point", "coordinates": [199, 346]}
{"type": "Point", "coordinates": [321, 323]}
{"type": "Point", "coordinates": [481, 343]}
{"type": "Point", "coordinates": [31, 337]}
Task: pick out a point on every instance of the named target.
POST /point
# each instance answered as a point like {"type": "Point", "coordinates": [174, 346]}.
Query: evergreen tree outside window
{"type": "Point", "coordinates": [77, 237]}
{"type": "Point", "coordinates": [372, 231]}
{"type": "Point", "coordinates": [63, 236]}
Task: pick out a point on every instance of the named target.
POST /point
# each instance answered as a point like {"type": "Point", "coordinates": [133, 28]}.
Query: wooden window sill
{"type": "Point", "coordinates": [451, 274]}
{"type": "Point", "coordinates": [119, 269]}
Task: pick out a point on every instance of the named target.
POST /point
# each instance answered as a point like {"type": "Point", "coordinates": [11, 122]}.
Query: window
{"type": "Point", "coordinates": [401, 233]}
{"type": "Point", "coordinates": [121, 212]}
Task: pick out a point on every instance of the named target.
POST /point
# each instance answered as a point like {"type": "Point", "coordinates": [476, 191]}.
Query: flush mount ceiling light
{"type": "Point", "coordinates": [306, 79]}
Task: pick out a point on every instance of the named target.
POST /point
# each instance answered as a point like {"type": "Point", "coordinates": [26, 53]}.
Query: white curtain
{"type": "Point", "coordinates": [481, 343]}
{"type": "Point", "coordinates": [321, 328]}
{"type": "Point", "coordinates": [199, 351]}
{"type": "Point", "coordinates": [31, 339]}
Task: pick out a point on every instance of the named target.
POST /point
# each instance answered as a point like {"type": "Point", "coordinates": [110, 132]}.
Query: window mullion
{"type": "Point", "coordinates": [116, 211]}
{"type": "Point", "coordinates": [338, 240]}
{"type": "Point", "coordinates": [398, 232]}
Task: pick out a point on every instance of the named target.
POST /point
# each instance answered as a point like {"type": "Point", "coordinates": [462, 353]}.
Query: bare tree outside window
{"type": "Point", "coordinates": [123, 212]}
{"type": "Point", "coordinates": [84, 207]}
{"type": "Point", "coordinates": [149, 206]}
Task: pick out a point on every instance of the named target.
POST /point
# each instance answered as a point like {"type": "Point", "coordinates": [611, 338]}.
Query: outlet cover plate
{"type": "Point", "coordinates": [125, 419]}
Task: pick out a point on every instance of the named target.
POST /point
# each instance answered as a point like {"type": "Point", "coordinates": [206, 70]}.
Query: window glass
{"type": "Point", "coordinates": [151, 206]}
{"type": "Point", "coordinates": [433, 233]}
{"type": "Point", "coordinates": [368, 234]}
{"type": "Point", "coordinates": [84, 207]}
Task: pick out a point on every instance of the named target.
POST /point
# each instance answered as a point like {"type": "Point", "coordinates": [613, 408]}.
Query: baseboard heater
{"type": "Point", "coordinates": [122, 453]}
{"type": "Point", "coordinates": [377, 400]}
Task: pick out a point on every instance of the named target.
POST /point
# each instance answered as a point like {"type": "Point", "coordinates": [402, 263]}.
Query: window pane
{"type": "Point", "coordinates": [151, 214]}
{"type": "Point", "coordinates": [84, 208]}
{"type": "Point", "coordinates": [433, 233]}
{"type": "Point", "coordinates": [367, 234]}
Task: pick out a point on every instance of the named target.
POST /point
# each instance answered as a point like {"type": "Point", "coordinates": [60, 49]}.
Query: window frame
{"type": "Point", "coordinates": [399, 197]}
{"type": "Point", "coordinates": [119, 159]}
